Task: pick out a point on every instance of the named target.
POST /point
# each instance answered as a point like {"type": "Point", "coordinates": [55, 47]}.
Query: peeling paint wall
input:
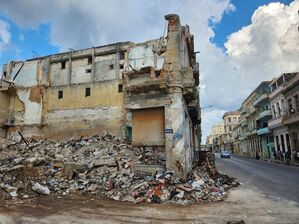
{"type": "Point", "coordinates": [4, 109]}
{"type": "Point", "coordinates": [59, 76]}
{"type": "Point", "coordinates": [33, 110]}
{"type": "Point", "coordinates": [27, 76]}
{"type": "Point", "coordinates": [101, 94]}
{"type": "Point", "coordinates": [145, 55]}
{"type": "Point", "coordinates": [106, 68]}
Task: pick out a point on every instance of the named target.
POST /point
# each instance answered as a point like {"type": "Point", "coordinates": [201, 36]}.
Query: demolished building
{"type": "Point", "coordinates": [147, 92]}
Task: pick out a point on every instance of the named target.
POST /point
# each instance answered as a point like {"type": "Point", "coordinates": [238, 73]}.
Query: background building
{"type": "Point", "coordinates": [230, 120]}
{"type": "Point", "coordinates": [215, 140]}
{"type": "Point", "coordinates": [284, 92]}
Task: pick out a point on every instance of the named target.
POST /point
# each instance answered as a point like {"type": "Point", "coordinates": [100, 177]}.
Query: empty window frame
{"type": "Point", "coordinates": [63, 65]}
{"type": "Point", "coordinates": [121, 66]}
{"type": "Point", "coordinates": [87, 92]}
{"type": "Point", "coordinates": [89, 60]}
{"type": "Point", "coordinates": [88, 70]}
{"type": "Point", "coordinates": [4, 73]}
{"type": "Point", "coordinates": [111, 66]}
{"type": "Point", "coordinates": [60, 94]}
{"type": "Point", "coordinates": [120, 88]}
{"type": "Point", "coordinates": [121, 55]}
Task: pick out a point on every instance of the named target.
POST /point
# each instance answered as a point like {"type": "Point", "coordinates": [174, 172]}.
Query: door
{"type": "Point", "coordinates": [148, 127]}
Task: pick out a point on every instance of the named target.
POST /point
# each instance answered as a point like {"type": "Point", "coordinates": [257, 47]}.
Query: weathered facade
{"type": "Point", "coordinates": [147, 92]}
{"type": "Point", "coordinates": [216, 139]}
{"type": "Point", "coordinates": [251, 135]}
{"type": "Point", "coordinates": [284, 122]}
{"type": "Point", "coordinates": [230, 120]}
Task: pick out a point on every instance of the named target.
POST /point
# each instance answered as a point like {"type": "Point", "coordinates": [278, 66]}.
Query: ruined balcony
{"type": "Point", "coordinates": [194, 111]}
{"type": "Point", "coordinates": [263, 131]}
{"type": "Point", "coordinates": [250, 112]}
{"type": "Point", "coordinates": [145, 80]}
{"type": "Point", "coordinates": [265, 114]}
{"type": "Point", "coordinates": [243, 111]}
{"type": "Point", "coordinates": [187, 77]}
{"type": "Point", "coordinates": [292, 118]}
{"type": "Point", "coordinates": [196, 73]}
{"type": "Point", "coordinates": [243, 123]}
{"type": "Point", "coordinates": [263, 98]}
{"type": "Point", "coordinates": [293, 82]}
{"type": "Point", "coordinates": [276, 122]}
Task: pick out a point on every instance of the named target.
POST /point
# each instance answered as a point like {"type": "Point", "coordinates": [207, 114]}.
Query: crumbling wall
{"type": "Point", "coordinates": [4, 111]}
{"type": "Point", "coordinates": [27, 76]}
{"type": "Point", "coordinates": [59, 76]}
{"type": "Point", "coordinates": [106, 67]}
{"type": "Point", "coordinates": [78, 114]}
{"type": "Point", "coordinates": [33, 107]}
{"type": "Point", "coordinates": [81, 71]}
{"type": "Point", "coordinates": [145, 55]}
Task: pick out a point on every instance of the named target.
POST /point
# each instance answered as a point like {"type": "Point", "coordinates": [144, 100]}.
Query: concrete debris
{"type": "Point", "coordinates": [40, 189]}
{"type": "Point", "coordinates": [105, 166]}
{"type": "Point", "coordinates": [13, 194]}
{"type": "Point", "coordinates": [236, 222]}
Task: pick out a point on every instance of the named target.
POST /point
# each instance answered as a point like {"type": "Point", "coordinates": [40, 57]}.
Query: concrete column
{"type": "Point", "coordinates": [70, 69]}
{"type": "Point", "coordinates": [285, 141]}
{"type": "Point", "coordinates": [178, 156]}
{"type": "Point", "coordinates": [93, 67]}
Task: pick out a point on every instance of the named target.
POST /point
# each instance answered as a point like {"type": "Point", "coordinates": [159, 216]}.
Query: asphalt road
{"type": "Point", "coordinates": [277, 181]}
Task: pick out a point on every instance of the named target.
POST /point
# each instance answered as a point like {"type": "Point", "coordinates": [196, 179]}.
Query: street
{"type": "Point", "coordinates": [274, 180]}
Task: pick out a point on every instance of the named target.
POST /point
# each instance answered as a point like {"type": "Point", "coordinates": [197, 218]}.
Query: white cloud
{"type": "Point", "coordinates": [259, 51]}
{"type": "Point", "coordinates": [4, 34]}
{"type": "Point", "coordinates": [210, 117]}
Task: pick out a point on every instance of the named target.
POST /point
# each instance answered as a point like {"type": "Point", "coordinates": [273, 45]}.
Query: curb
{"type": "Point", "coordinates": [268, 160]}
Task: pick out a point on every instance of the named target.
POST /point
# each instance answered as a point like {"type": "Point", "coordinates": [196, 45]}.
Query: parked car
{"type": "Point", "coordinates": [225, 154]}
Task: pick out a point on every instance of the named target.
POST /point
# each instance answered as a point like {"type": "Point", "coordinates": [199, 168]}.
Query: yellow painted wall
{"type": "Point", "coordinates": [4, 106]}
{"type": "Point", "coordinates": [15, 104]}
{"type": "Point", "coordinates": [102, 94]}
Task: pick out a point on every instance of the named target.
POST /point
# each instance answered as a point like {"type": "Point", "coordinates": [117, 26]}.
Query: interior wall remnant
{"type": "Point", "coordinates": [33, 110]}
{"type": "Point", "coordinates": [27, 76]}
{"type": "Point", "coordinates": [148, 127]}
{"type": "Point", "coordinates": [4, 107]}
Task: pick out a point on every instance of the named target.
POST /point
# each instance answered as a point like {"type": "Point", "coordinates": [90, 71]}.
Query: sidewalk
{"type": "Point", "coordinates": [268, 160]}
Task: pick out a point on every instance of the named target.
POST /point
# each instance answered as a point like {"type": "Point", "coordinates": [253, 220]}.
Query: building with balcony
{"type": "Point", "coordinates": [250, 137]}
{"type": "Point", "coordinates": [216, 138]}
{"type": "Point", "coordinates": [283, 93]}
{"type": "Point", "coordinates": [291, 118]}
{"type": "Point", "coordinates": [147, 92]}
{"type": "Point", "coordinates": [230, 120]}
{"type": "Point", "coordinates": [262, 105]}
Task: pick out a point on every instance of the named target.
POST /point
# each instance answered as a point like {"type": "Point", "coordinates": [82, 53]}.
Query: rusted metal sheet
{"type": "Point", "coordinates": [148, 127]}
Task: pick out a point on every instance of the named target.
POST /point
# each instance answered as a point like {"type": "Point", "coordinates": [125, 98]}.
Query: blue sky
{"type": "Point", "coordinates": [234, 21]}
{"type": "Point", "coordinates": [28, 42]}
{"type": "Point", "coordinates": [241, 42]}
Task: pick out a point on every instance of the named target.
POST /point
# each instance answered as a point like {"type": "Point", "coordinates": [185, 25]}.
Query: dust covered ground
{"type": "Point", "coordinates": [71, 201]}
{"type": "Point", "coordinates": [241, 204]}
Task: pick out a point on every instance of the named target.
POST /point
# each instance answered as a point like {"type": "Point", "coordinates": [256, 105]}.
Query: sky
{"type": "Point", "coordinates": [241, 42]}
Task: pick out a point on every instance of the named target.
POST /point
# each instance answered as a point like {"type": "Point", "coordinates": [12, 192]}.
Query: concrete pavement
{"type": "Point", "coordinates": [277, 181]}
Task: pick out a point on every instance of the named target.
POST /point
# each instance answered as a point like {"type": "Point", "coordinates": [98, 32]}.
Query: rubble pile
{"type": "Point", "coordinates": [102, 166]}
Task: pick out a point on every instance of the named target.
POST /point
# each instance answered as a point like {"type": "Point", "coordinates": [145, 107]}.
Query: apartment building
{"type": "Point", "coordinates": [216, 139]}
{"type": "Point", "coordinates": [262, 105]}
{"type": "Point", "coordinates": [291, 94]}
{"type": "Point", "coordinates": [251, 135]}
{"type": "Point", "coordinates": [147, 92]}
{"type": "Point", "coordinates": [230, 120]}
{"type": "Point", "coordinates": [284, 122]}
